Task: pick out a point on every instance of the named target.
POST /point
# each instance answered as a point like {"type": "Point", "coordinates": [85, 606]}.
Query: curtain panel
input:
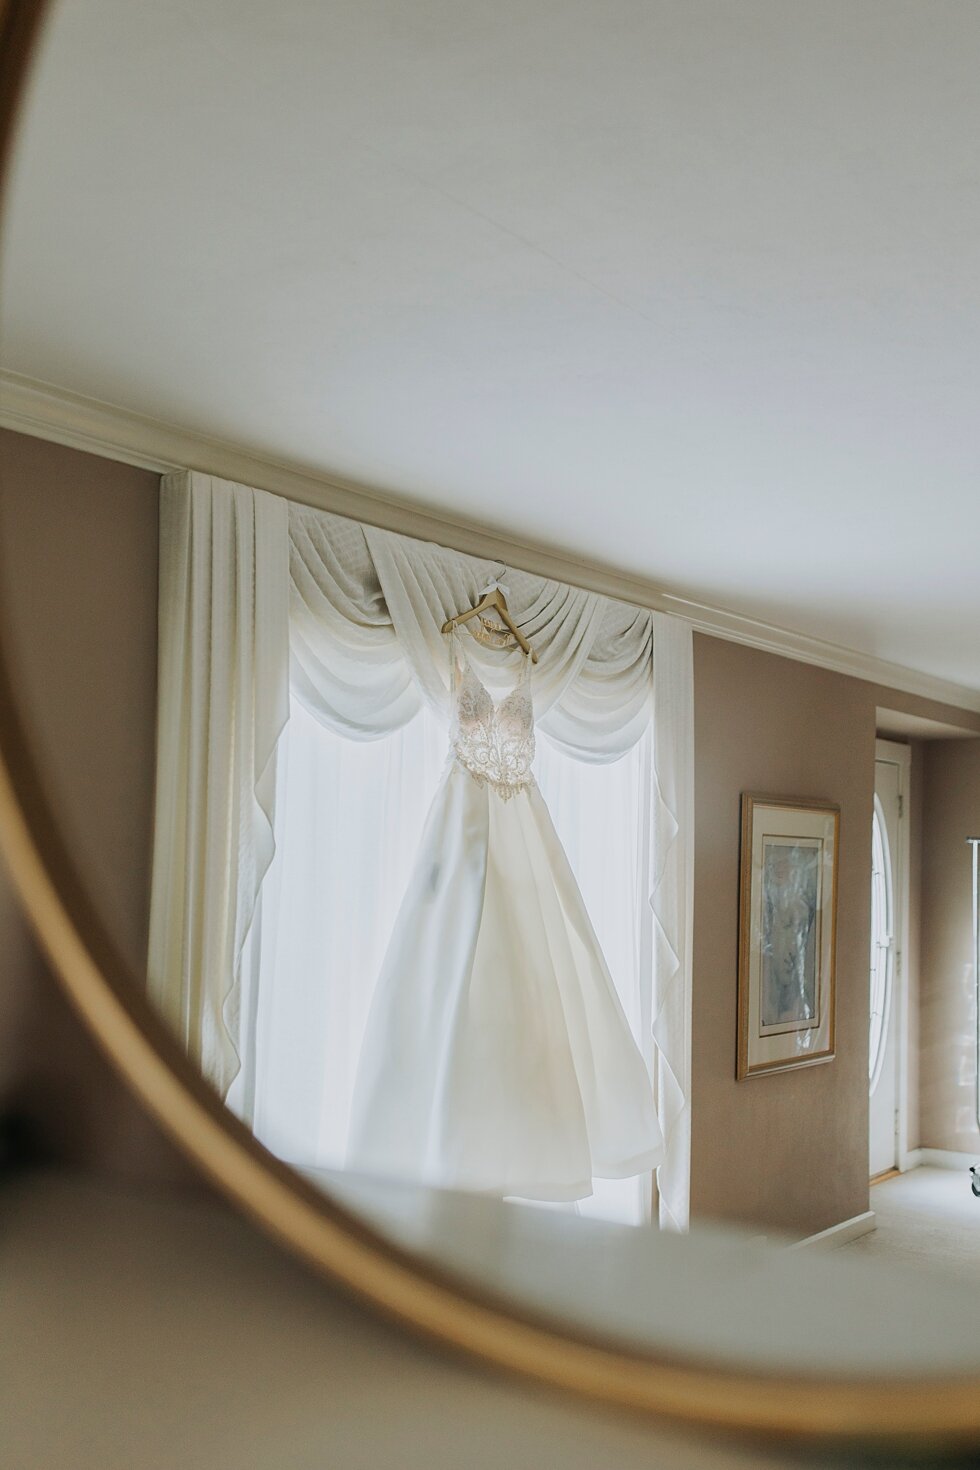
{"type": "Point", "coordinates": [672, 901]}
{"type": "Point", "coordinates": [260, 597]}
{"type": "Point", "coordinates": [222, 702]}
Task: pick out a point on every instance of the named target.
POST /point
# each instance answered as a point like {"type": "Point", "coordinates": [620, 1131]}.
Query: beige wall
{"type": "Point", "coordinates": [951, 813]}
{"type": "Point", "coordinates": [913, 966]}
{"type": "Point", "coordinates": [788, 1150]}
{"type": "Point", "coordinates": [78, 577]}
{"type": "Point", "coordinates": [57, 1091]}
{"type": "Point", "coordinates": [78, 570]}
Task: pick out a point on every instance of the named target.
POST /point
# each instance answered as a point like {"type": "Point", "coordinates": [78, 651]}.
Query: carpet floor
{"type": "Point", "coordinates": [927, 1217]}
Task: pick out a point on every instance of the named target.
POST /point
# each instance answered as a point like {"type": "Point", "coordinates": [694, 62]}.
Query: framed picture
{"type": "Point", "coordinates": [787, 934]}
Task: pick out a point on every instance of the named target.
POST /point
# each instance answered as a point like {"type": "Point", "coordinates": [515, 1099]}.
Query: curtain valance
{"type": "Point", "coordinates": [366, 610]}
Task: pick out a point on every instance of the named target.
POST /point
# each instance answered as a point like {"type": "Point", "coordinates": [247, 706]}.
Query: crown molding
{"type": "Point", "coordinates": [52, 413]}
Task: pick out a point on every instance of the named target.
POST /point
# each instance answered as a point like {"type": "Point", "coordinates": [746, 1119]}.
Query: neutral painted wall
{"type": "Point", "coordinates": [60, 1100]}
{"type": "Point", "coordinates": [79, 543]}
{"type": "Point", "coordinates": [951, 813]}
{"type": "Point", "coordinates": [913, 967]}
{"type": "Point", "coordinates": [787, 1150]}
{"type": "Point", "coordinates": [78, 570]}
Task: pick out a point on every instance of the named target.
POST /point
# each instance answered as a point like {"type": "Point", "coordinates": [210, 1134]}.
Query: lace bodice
{"type": "Point", "coordinates": [493, 742]}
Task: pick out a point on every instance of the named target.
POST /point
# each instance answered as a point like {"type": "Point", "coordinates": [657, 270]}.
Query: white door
{"type": "Point", "coordinates": [885, 1072]}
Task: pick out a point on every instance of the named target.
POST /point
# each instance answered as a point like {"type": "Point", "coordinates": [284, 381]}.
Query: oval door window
{"type": "Point", "coordinates": [882, 954]}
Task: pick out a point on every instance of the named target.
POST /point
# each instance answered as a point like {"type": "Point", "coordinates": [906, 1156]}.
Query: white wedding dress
{"type": "Point", "coordinates": [497, 1056]}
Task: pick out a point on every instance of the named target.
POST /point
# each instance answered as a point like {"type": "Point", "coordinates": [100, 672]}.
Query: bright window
{"type": "Point", "coordinates": [348, 823]}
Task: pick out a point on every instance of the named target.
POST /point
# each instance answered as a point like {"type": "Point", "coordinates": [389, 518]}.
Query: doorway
{"type": "Point", "coordinates": [888, 1029]}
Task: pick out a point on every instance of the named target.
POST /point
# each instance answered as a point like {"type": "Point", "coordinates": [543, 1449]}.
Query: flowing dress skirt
{"type": "Point", "coordinates": [497, 1056]}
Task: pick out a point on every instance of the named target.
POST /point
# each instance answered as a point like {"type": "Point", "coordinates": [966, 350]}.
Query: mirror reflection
{"type": "Point", "coordinates": [474, 877]}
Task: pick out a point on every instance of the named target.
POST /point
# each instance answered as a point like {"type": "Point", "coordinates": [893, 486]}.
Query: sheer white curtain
{"type": "Point", "coordinates": [672, 902]}
{"type": "Point", "coordinates": [222, 702]}
{"type": "Point", "coordinates": [348, 820]}
{"type": "Point", "coordinates": [359, 644]}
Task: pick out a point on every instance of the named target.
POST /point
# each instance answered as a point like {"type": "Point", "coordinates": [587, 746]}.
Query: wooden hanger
{"type": "Point", "coordinates": [493, 598]}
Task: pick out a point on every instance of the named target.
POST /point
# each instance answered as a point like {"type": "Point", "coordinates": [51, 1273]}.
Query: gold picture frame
{"type": "Point", "coordinates": [787, 940]}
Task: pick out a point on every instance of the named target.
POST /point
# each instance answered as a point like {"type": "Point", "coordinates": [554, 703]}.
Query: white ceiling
{"type": "Point", "coordinates": [689, 287]}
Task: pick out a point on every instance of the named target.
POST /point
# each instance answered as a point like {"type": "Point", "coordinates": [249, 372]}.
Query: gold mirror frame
{"type": "Point", "coordinates": [112, 1004]}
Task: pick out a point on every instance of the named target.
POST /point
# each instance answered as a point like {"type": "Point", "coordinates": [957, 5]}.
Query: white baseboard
{"type": "Point", "coordinates": [838, 1234]}
{"type": "Point", "coordinates": [941, 1158]}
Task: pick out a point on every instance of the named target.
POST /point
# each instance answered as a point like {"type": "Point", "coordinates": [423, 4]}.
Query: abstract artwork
{"type": "Point", "coordinates": [788, 900]}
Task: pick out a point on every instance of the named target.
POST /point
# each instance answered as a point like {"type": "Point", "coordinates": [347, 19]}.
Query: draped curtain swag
{"type": "Point", "coordinates": [260, 597]}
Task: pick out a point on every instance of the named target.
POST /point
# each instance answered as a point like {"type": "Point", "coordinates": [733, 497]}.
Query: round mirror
{"type": "Point", "coordinates": [449, 605]}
